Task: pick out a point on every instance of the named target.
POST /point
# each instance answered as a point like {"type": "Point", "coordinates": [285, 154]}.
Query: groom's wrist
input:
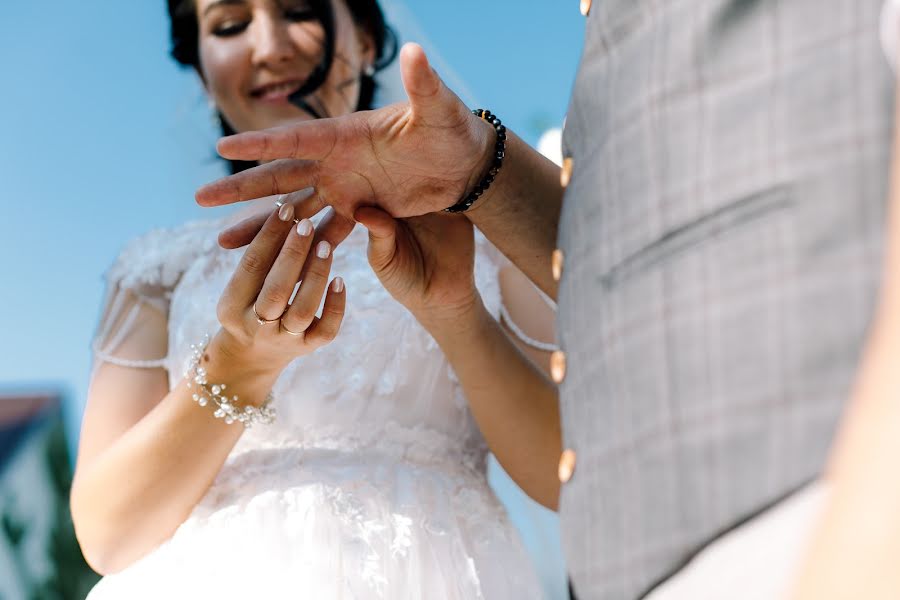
{"type": "Point", "coordinates": [448, 324]}
{"type": "Point", "coordinates": [486, 152]}
{"type": "Point", "coordinates": [490, 150]}
{"type": "Point", "coordinates": [492, 199]}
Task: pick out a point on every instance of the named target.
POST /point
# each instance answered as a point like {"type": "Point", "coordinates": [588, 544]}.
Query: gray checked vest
{"type": "Point", "coordinates": [722, 235]}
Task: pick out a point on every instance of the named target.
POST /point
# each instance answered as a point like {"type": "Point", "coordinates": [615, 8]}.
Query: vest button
{"type": "Point", "coordinates": [558, 366]}
{"type": "Point", "coordinates": [567, 465]}
{"type": "Point", "coordinates": [565, 175]}
{"type": "Point", "coordinates": [557, 261]}
{"type": "Point", "coordinates": [585, 7]}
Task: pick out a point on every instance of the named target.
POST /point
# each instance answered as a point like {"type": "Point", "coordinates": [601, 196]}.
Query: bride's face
{"type": "Point", "coordinates": [256, 53]}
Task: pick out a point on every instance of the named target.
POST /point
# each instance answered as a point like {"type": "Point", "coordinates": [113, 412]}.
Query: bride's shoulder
{"type": "Point", "coordinates": [161, 255]}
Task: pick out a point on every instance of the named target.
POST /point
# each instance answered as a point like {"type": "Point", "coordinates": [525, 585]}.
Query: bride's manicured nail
{"type": "Point", "coordinates": [286, 212]}
{"type": "Point", "coordinates": [304, 227]}
{"type": "Point", "coordinates": [323, 250]}
{"type": "Point", "coordinates": [337, 285]}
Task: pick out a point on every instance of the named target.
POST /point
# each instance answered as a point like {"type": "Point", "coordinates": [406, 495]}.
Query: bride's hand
{"type": "Point", "coordinates": [426, 263]}
{"type": "Point", "coordinates": [262, 329]}
{"type": "Point", "coordinates": [410, 159]}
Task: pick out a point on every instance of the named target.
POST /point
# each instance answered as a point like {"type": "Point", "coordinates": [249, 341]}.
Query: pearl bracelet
{"type": "Point", "coordinates": [226, 408]}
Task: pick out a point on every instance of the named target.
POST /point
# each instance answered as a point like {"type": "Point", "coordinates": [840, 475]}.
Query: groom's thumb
{"type": "Point", "coordinates": [382, 234]}
{"type": "Point", "coordinates": [429, 98]}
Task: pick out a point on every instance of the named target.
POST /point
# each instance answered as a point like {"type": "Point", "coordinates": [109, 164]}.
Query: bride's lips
{"type": "Point", "coordinates": [277, 92]}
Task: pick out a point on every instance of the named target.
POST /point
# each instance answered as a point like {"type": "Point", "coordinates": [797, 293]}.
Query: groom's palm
{"type": "Point", "coordinates": [391, 159]}
{"type": "Point", "coordinates": [409, 159]}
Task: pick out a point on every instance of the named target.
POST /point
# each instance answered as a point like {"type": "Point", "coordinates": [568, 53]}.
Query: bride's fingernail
{"type": "Point", "coordinates": [304, 227]}
{"type": "Point", "coordinates": [323, 250]}
{"type": "Point", "coordinates": [337, 285]}
{"type": "Point", "coordinates": [286, 212]}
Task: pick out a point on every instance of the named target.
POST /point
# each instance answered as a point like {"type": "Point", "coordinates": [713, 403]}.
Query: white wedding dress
{"type": "Point", "coordinates": [370, 484]}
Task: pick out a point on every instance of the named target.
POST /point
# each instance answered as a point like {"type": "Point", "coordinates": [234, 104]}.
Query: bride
{"type": "Point", "coordinates": [236, 445]}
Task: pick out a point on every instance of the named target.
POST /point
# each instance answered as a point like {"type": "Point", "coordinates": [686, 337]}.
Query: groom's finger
{"type": "Point", "coordinates": [305, 205]}
{"type": "Point", "coordinates": [333, 228]}
{"type": "Point", "coordinates": [238, 236]}
{"type": "Point", "coordinates": [270, 179]}
{"type": "Point", "coordinates": [431, 101]}
{"type": "Point", "coordinates": [309, 140]}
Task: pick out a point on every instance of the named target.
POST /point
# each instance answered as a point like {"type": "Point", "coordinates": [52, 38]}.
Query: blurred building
{"type": "Point", "coordinates": [39, 556]}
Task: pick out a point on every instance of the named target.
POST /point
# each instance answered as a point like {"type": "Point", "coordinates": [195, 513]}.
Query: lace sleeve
{"type": "Point", "coordinates": [139, 287]}
{"type": "Point", "coordinates": [501, 311]}
{"type": "Point", "coordinates": [524, 337]}
{"type": "Point", "coordinates": [125, 311]}
{"type": "Point", "coordinates": [520, 333]}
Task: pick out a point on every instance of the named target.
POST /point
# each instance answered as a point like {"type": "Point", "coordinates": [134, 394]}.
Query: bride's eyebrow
{"type": "Point", "coordinates": [218, 3]}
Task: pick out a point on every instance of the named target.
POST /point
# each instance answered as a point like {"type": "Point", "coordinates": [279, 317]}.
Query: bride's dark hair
{"type": "Point", "coordinates": [366, 13]}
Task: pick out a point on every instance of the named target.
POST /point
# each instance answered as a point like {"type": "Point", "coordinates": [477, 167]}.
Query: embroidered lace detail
{"type": "Point", "coordinates": [371, 484]}
{"type": "Point", "coordinates": [160, 257]}
{"type": "Point", "coordinates": [142, 278]}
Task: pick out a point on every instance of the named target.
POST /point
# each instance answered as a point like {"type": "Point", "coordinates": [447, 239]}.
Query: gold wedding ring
{"type": "Point", "coordinates": [261, 320]}
{"type": "Point", "coordinates": [289, 332]}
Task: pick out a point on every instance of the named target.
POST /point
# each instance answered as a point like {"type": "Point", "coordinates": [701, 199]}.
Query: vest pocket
{"type": "Point", "coordinates": [683, 239]}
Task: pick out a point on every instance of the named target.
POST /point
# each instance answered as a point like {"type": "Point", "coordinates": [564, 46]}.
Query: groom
{"type": "Point", "coordinates": [715, 253]}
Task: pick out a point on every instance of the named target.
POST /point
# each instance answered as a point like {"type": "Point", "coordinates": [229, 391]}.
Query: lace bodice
{"type": "Point", "coordinates": [382, 386]}
{"type": "Point", "coordinates": [371, 483]}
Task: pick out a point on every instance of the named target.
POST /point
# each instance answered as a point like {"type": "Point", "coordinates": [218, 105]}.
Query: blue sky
{"type": "Point", "coordinates": [102, 137]}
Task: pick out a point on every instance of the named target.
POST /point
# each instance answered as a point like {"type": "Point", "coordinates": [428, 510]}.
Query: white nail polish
{"type": "Point", "coordinates": [286, 212]}
{"type": "Point", "coordinates": [337, 285]}
{"type": "Point", "coordinates": [305, 227]}
{"type": "Point", "coordinates": [323, 250]}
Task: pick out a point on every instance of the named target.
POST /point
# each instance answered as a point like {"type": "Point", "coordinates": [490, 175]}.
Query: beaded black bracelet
{"type": "Point", "coordinates": [499, 154]}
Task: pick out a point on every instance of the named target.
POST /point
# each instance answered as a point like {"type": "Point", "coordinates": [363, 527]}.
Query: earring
{"type": "Point", "coordinates": [369, 71]}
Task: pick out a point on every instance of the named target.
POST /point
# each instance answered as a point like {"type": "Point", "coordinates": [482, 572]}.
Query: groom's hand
{"type": "Point", "coordinates": [409, 159]}
{"type": "Point", "coordinates": [426, 263]}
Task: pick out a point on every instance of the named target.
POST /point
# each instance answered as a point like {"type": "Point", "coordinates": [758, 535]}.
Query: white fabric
{"type": "Point", "coordinates": [372, 482]}
{"type": "Point", "coordinates": [890, 30]}
{"type": "Point", "coordinates": [756, 561]}
{"type": "Point", "coordinates": [123, 313]}
{"type": "Point", "coordinates": [141, 280]}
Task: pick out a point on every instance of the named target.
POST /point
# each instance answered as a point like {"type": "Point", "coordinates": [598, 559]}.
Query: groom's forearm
{"type": "Point", "coordinates": [515, 405]}
{"type": "Point", "coordinates": [520, 211]}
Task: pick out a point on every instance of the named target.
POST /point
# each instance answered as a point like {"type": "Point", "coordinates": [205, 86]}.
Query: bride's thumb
{"type": "Point", "coordinates": [429, 98]}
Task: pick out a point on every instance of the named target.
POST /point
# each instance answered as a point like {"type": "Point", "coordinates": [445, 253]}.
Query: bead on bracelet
{"type": "Point", "coordinates": [227, 409]}
{"type": "Point", "coordinates": [499, 154]}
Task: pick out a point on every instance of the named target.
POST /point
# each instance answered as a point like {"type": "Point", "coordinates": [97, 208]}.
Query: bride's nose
{"type": "Point", "coordinates": [272, 43]}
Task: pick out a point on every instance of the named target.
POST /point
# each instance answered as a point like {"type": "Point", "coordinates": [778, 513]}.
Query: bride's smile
{"type": "Point", "coordinates": [255, 54]}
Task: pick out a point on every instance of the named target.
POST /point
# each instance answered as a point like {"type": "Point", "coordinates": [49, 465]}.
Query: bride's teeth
{"type": "Point", "coordinates": [280, 88]}
{"type": "Point", "coordinates": [277, 89]}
